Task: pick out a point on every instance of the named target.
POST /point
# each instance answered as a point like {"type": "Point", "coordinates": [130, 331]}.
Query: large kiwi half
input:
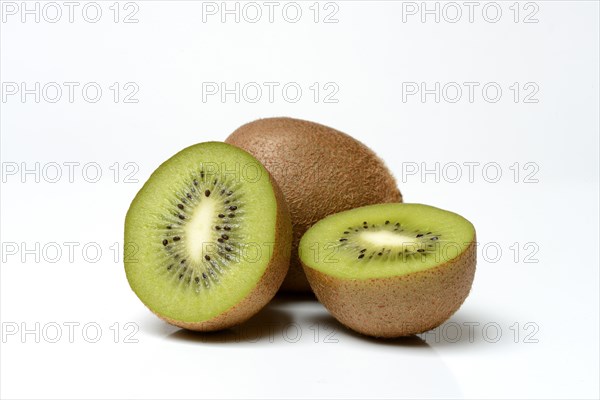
{"type": "Point", "coordinates": [390, 270]}
{"type": "Point", "coordinates": [320, 170]}
{"type": "Point", "coordinates": [207, 238]}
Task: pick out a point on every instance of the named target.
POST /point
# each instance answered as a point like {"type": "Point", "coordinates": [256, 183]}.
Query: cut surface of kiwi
{"type": "Point", "coordinates": [390, 269]}
{"type": "Point", "coordinates": [385, 240]}
{"type": "Point", "coordinates": [207, 238]}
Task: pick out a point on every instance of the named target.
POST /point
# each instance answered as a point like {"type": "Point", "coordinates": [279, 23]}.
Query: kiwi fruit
{"type": "Point", "coordinates": [320, 170]}
{"type": "Point", "coordinates": [390, 270]}
{"type": "Point", "coordinates": [207, 238]}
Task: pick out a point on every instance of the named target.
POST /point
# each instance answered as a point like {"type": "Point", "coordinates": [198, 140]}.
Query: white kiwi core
{"type": "Point", "coordinates": [198, 232]}
{"type": "Point", "coordinates": [388, 239]}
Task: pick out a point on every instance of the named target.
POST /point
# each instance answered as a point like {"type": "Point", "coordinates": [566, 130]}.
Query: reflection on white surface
{"type": "Point", "coordinates": [295, 337]}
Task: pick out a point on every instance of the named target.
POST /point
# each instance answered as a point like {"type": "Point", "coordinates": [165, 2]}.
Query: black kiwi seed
{"type": "Point", "coordinates": [434, 238]}
{"type": "Point", "coordinates": [165, 242]}
{"type": "Point", "coordinates": [207, 258]}
{"type": "Point", "coordinates": [220, 240]}
{"type": "Point", "coordinates": [420, 235]}
{"type": "Point", "coordinates": [420, 250]}
{"type": "Point", "coordinates": [169, 227]}
{"type": "Point", "coordinates": [181, 216]}
{"type": "Point", "coordinates": [225, 237]}
{"type": "Point", "coordinates": [428, 233]}
{"type": "Point", "coordinates": [195, 182]}
{"type": "Point", "coordinates": [387, 222]}
{"type": "Point", "coordinates": [169, 267]}
{"type": "Point", "coordinates": [189, 196]}
{"type": "Point", "coordinates": [227, 202]}
{"type": "Point", "coordinates": [365, 226]}
{"type": "Point", "coordinates": [343, 239]}
{"type": "Point", "coordinates": [233, 208]}
{"type": "Point", "coordinates": [346, 232]}
{"type": "Point", "coordinates": [231, 215]}
{"type": "Point", "coordinates": [176, 238]}
{"type": "Point", "coordinates": [183, 262]}
{"type": "Point", "coordinates": [202, 174]}
{"type": "Point", "coordinates": [363, 250]}
{"type": "Point", "coordinates": [204, 275]}
{"type": "Point", "coordinates": [180, 276]}
{"type": "Point", "coordinates": [207, 192]}
{"type": "Point", "coordinates": [215, 182]}
{"type": "Point", "coordinates": [222, 191]}
{"type": "Point", "coordinates": [221, 215]}
{"type": "Point", "coordinates": [227, 228]}
{"type": "Point", "coordinates": [380, 254]}
{"type": "Point", "coordinates": [397, 224]}
{"type": "Point", "coordinates": [229, 193]}
{"type": "Point", "coordinates": [361, 256]}
{"type": "Point", "coordinates": [180, 206]}
{"type": "Point", "coordinates": [227, 248]}
{"type": "Point", "coordinates": [365, 222]}
{"type": "Point", "coordinates": [218, 227]}
{"type": "Point", "coordinates": [197, 280]}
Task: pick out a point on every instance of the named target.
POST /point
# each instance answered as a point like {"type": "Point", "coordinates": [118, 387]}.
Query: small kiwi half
{"type": "Point", "coordinates": [390, 270]}
{"type": "Point", "coordinates": [320, 170]}
{"type": "Point", "coordinates": [207, 238]}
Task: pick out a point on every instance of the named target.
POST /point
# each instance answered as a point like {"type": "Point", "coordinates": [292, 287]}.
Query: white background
{"type": "Point", "coordinates": [542, 300]}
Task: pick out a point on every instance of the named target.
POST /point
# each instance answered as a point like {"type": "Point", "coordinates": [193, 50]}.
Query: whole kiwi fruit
{"type": "Point", "coordinates": [320, 170]}
{"type": "Point", "coordinates": [391, 270]}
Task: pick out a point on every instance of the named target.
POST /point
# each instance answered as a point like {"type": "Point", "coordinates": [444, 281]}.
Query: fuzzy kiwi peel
{"type": "Point", "coordinates": [390, 270]}
{"type": "Point", "coordinates": [320, 170]}
{"type": "Point", "coordinates": [210, 238]}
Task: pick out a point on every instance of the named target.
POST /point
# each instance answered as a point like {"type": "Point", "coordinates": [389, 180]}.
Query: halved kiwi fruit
{"type": "Point", "coordinates": [209, 238]}
{"type": "Point", "coordinates": [320, 170]}
{"type": "Point", "coordinates": [390, 270]}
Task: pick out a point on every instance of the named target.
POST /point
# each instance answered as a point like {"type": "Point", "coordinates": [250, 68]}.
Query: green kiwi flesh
{"type": "Point", "coordinates": [385, 240]}
{"type": "Point", "coordinates": [201, 235]}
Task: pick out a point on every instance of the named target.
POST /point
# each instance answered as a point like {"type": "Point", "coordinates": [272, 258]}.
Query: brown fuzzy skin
{"type": "Point", "coordinates": [398, 306]}
{"type": "Point", "coordinates": [320, 170]}
{"type": "Point", "coordinates": [268, 285]}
